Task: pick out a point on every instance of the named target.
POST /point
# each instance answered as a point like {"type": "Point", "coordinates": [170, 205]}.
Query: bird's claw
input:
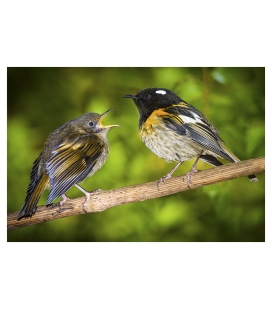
{"type": "Point", "coordinates": [188, 176]}
{"type": "Point", "coordinates": [88, 194]}
{"type": "Point", "coordinates": [167, 176]}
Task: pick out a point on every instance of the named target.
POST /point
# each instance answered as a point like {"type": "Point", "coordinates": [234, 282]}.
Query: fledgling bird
{"type": "Point", "coordinates": [71, 153]}
{"type": "Point", "coordinates": [176, 131]}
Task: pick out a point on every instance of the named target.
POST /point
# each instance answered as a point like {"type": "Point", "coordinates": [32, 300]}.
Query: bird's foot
{"type": "Point", "coordinates": [65, 200]}
{"type": "Point", "coordinates": [88, 195]}
{"type": "Point", "coordinates": [188, 176]}
{"type": "Point", "coordinates": [167, 176]}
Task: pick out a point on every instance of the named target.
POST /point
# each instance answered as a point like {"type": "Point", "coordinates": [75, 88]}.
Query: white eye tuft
{"type": "Point", "coordinates": [162, 92]}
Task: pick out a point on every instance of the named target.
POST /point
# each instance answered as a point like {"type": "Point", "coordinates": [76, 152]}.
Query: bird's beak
{"type": "Point", "coordinates": [130, 96]}
{"type": "Point", "coordinates": [103, 116]}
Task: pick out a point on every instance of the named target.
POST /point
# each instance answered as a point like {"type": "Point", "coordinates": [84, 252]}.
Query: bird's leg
{"type": "Point", "coordinates": [64, 200]}
{"type": "Point", "coordinates": [88, 194]}
{"type": "Point", "coordinates": [192, 171]}
{"type": "Point", "coordinates": [169, 174]}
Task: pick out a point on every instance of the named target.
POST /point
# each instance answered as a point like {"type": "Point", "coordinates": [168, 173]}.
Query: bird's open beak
{"type": "Point", "coordinates": [103, 116]}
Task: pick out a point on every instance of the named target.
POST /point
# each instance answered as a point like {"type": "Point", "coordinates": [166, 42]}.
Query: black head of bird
{"type": "Point", "coordinates": [151, 99]}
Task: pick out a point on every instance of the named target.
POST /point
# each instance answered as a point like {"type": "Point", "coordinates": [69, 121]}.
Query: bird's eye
{"type": "Point", "coordinates": [147, 96]}
{"type": "Point", "coordinates": [91, 124]}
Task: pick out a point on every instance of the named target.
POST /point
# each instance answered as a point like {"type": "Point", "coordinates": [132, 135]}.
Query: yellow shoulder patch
{"type": "Point", "coordinates": [153, 120]}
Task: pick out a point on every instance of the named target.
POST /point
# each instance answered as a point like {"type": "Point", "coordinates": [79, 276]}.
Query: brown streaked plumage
{"type": "Point", "coordinates": [71, 153]}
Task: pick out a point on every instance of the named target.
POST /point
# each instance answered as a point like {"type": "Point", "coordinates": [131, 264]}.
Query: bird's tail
{"type": "Point", "coordinates": [230, 156]}
{"type": "Point", "coordinates": [34, 192]}
{"type": "Point", "coordinates": [235, 159]}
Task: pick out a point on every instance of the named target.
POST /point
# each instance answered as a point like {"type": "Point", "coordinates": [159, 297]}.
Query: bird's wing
{"type": "Point", "coordinates": [71, 162]}
{"type": "Point", "coordinates": [191, 123]}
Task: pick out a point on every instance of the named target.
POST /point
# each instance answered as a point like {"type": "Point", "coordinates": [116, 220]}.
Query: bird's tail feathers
{"type": "Point", "coordinates": [234, 159]}
{"type": "Point", "coordinates": [34, 193]}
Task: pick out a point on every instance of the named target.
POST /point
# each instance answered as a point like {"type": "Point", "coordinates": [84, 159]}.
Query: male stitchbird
{"type": "Point", "coordinates": [71, 153]}
{"type": "Point", "coordinates": [176, 131]}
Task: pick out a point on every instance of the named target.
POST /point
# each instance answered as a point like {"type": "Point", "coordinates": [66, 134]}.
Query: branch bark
{"type": "Point", "coordinates": [104, 200]}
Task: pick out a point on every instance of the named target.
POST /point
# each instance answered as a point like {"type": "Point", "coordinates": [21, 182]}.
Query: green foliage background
{"type": "Point", "coordinates": [233, 99]}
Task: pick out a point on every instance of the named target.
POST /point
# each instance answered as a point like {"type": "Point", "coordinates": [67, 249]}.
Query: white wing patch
{"type": "Point", "coordinates": [162, 92]}
{"type": "Point", "coordinates": [188, 119]}
{"type": "Point", "coordinates": [197, 117]}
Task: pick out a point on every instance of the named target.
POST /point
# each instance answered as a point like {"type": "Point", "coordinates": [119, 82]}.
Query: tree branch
{"type": "Point", "coordinates": [104, 200]}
